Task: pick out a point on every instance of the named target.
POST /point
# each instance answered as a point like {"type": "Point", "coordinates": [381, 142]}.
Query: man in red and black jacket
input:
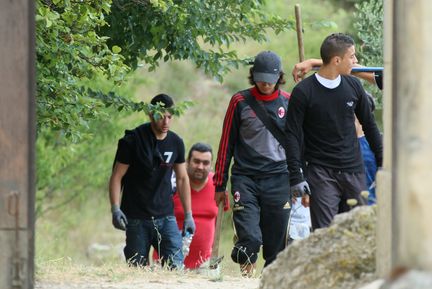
{"type": "Point", "coordinates": [259, 176]}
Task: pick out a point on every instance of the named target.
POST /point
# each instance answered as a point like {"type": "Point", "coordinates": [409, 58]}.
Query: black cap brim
{"type": "Point", "coordinates": [266, 77]}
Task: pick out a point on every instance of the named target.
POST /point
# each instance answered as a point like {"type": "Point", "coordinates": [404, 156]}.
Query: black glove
{"type": "Point", "coordinates": [300, 189]}
{"type": "Point", "coordinates": [379, 75]}
{"type": "Point", "coordinates": [119, 219]}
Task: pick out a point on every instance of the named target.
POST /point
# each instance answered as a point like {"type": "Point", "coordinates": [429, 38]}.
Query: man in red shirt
{"type": "Point", "coordinates": [205, 210]}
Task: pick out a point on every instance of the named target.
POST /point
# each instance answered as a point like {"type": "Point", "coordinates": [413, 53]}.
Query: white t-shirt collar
{"type": "Point", "coordinates": [329, 83]}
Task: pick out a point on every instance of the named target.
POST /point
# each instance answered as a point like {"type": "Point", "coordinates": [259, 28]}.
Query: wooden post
{"type": "Point", "coordinates": [17, 135]}
{"type": "Point", "coordinates": [299, 30]}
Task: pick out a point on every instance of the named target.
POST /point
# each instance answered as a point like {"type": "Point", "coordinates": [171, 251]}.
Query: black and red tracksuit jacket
{"type": "Point", "coordinates": [255, 150]}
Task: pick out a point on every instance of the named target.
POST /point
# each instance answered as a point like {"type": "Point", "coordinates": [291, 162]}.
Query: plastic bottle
{"type": "Point", "coordinates": [187, 240]}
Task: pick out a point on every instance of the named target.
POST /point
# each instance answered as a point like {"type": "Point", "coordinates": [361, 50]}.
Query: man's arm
{"type": "Point", "coordinates": [119, 219]}
{"type": "Point", "coordinates": [184, 191]}
{"type": "Point", "coordinates": [368, 76]}
{"type": "Point", "coordinates": [183, 187]}
{"type": "Point", "coordinates": [294, 131]}
{"type": "Point", "coordinates": [114, 188]}
{"type": "Point", "coordinates": [226, 147]}
{"type": "Point", "coordinates": [303, 68]}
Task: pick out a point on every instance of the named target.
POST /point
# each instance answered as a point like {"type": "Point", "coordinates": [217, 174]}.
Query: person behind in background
{"type": "Point", "coordinates": [199, 166]}
{"type": "Point", "coordinates": [322, 110]}
{"type": "Point", "coordinates": [141, 177]}
{"type": "Point", "coordinates": [259, 175]}
{"type": "Point", "coordinates": [369, 161]}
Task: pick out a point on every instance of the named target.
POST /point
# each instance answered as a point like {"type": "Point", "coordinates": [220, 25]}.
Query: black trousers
{"type": "Point", "coordinates": [330, 190]}
{"type": "Point", "coordinates": [260, 213]}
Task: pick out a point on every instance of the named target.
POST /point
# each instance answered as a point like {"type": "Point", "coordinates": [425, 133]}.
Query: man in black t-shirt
{"type": "Point", "coordinates": [322, 110]}
{"type": "Point", "coordinates": [141, 177]}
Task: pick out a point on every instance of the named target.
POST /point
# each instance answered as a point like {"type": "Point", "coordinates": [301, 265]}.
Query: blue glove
{"type": "Point", "coordinates": [189, 224]}
{"type": "Point", "coordinates": [300, 189]}
{"type": "Point", "coordinates": [119, 219]}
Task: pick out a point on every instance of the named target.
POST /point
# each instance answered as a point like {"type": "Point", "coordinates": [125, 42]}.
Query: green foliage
{"type": "Point", "coordinates": [69, 173]}
{"type": "Point", "coordinates": [158, 110]}
{"type": "Point", "coordinates": [201, 31]}
{"type": "Point", "coordinates": [76, 48]}
{"type": "Point", "coordinates": [70, 54]}
{"type": "Point", "coordinates": [111, 99]}
{"type": "Point", "coordinates": [368, 23]}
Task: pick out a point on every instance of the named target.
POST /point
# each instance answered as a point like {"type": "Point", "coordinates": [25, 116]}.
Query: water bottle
{"type": "Point", "coordinates": [186, 241]}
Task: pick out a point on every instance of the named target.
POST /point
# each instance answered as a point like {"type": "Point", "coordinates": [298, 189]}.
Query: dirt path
{"type": "Point", "coordinates": [86, 278]}
{"type": "Point", "coordinates": [186, 282]}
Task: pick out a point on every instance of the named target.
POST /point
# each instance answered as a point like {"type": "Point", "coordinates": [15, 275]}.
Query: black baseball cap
{"type": "Point", "coordinates": [163, 98]}
{"type": "Point", "coordinates": [267, 67]}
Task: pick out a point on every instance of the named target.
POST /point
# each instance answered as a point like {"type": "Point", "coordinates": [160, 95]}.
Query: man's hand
{"type": "Point", "coordinates": [305, 200]}
{"type": "Point", "coordinates": [119, 219]}
{"type": "Point", "coordinates": [300, 189]}
{"type": "Point", "coordinates": [189, 224]}
{"type": "Point", "coordinates": [302, 68]}
{"type": "Point", "coordinates": [220, 197]}
{"type": "Point", "coordinates": [226, 202]}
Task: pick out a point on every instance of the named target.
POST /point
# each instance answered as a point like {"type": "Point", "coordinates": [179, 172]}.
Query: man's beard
{"type": "Point", "coordinates": [199, 176]}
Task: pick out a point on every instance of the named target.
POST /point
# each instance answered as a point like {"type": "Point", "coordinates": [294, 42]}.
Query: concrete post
{"type": "Point", "coordinates": [411, 86]}
{"type": "Point", "coordinates": [384, 191]}
{"type": "Point", "coordinates": [17, 134]}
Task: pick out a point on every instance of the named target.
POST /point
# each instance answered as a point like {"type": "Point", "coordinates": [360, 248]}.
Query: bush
{"type": "Point", "coordinates": [368, 22]}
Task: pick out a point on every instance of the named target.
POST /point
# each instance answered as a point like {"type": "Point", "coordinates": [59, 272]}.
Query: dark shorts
{"type": "Point", "coordinates": [331, 189]}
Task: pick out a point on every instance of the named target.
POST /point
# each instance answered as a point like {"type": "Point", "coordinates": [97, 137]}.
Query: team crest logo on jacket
{"type": "Point", "coordinates": [237, 205]}
{"type": "Point", "coordinates": [281, 112]}
{"type": "Point", "coordinates": [236, 196]}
